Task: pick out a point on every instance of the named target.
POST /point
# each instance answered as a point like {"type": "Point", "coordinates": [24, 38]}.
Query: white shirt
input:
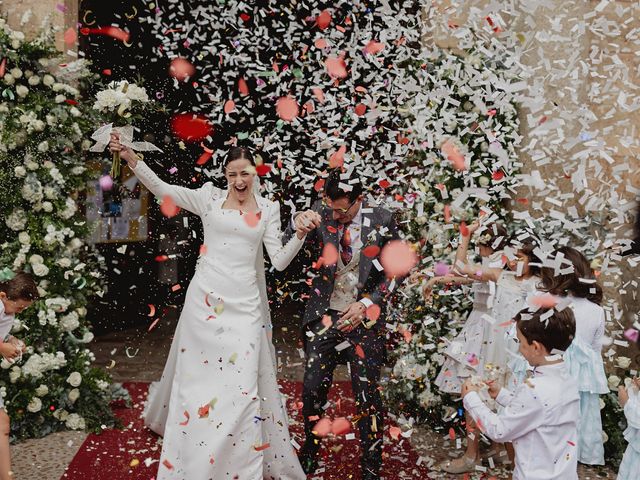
{"type": "Point", "coordinates": [541, 419]}
{"type": "Point", "coordinates": [589, 321]}
{"type": "Point", "coordinates": [6, 323]}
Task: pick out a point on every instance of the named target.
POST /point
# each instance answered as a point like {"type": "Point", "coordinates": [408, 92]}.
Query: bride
{"type": "Point", "coordinates": [217, 405]}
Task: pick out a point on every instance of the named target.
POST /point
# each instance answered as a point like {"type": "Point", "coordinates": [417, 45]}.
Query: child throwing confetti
{"type": "Point", "coordinates": [541, 416]}
{"type": "Point", "coordinates": [17, 292]}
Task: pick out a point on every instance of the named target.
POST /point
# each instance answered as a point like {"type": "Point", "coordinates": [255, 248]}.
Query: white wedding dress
{"type": "Point", "coordinates": [218, 405]}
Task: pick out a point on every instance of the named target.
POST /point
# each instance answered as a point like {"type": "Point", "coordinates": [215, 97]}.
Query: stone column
{"type": "Point", "coordinates": [62, 14]}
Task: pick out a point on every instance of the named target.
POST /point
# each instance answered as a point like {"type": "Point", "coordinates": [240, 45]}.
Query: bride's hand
{"type": "Point", "coordinates": [125, 152]}
{"type": "Point", "coordinates": [306, 222]}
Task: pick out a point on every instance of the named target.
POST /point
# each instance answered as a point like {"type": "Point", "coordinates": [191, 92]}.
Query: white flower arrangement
{"type": "Point", "coordinates": [74, 379]}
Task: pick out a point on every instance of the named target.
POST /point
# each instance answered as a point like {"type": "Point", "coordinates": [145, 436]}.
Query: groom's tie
{"type": "Point", "coordinates": [345, 245]}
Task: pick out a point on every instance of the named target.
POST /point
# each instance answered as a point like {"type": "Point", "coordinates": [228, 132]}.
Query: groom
{"type": "Point", "coordinates": [335, 324]}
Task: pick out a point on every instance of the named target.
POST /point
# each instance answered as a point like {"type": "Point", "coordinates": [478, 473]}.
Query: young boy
{"type": "Point", "coordinates": [541, 417]}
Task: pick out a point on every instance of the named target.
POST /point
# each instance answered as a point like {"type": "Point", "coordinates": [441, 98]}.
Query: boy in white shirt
{"type": "Point", "coordinates": [541, 416]}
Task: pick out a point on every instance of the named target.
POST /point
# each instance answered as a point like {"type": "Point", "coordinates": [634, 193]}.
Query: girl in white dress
{"type": "Point", "coordinates": [629, 396]}
{"type": "Point", "coordinates": [218, 405]}
{"type": "Point", "coordinates": [568, 274]}
{"type": "Point", "coordinates": [511, 289]}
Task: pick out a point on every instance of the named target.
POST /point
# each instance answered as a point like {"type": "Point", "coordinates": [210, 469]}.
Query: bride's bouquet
{"type": "Point", "coordinates": [121, 102]}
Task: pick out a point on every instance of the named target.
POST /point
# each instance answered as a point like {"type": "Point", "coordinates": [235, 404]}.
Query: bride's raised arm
{"type": "Point", "coordinates": [193, 200]}
{"type": "Point", "coordinates": [280, 255]}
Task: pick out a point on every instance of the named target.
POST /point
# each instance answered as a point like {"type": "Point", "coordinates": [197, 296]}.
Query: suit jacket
{"type": "Point", "coordinates": [372, 282]}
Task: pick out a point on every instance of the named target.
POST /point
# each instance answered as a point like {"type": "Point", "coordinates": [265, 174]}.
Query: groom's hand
{"type": "Point", "coordinates": [306, 221]}
{"type": "Point", "coordinates": [351, 317]}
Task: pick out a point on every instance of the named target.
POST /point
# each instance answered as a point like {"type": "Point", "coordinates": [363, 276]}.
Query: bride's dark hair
{"type": "Point", "coordinates": [239, 153]}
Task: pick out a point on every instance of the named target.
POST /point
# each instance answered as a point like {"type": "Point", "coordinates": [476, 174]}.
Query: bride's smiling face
{"type": "Point", "coordinates": [240, 174]}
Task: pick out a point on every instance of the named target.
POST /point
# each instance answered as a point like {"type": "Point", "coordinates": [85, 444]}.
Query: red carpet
{"type": "Point", "coordinates": [133, 453]}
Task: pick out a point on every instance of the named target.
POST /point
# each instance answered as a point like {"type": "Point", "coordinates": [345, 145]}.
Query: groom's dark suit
{"type": "Point", "coordinates": [378, 227]}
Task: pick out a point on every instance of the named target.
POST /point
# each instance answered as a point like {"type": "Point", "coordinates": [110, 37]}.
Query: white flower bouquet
{"type": "Point", "coordinates": [121, 101]}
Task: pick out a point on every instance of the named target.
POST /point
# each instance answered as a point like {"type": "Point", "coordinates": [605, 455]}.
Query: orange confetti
{"type": "Point", "coordinates": [319, 94]}
{"type": "Point", "coordinates": [395, 432]}
{"type": "Point", "coordinates": [337, 158]}
{"type": "Point", "coordinates": [453, 154]}
{"type": "Point", "coordinates": [152, 310]}
{"type": "Point", "coordinates": [336, 67]}
{"type": "Point", "coordinates": [168, 207]}
{"type": "Point", "coordinates": [322, 428]}
{"type": "Point", "coordinates": [252, 219]}
{"type": "Point", "coordinates": [397, 258]}
{"type": "Point", "coordinates": [371, 251]}
{"type": "Point", "coordinates": [181, 69]}
{"type": "Point", "coordinates": [452, 433]}
{"type": "Point", "coordinates": [359, 351]}
{"type": "Point", "coordinates": [319, 185]}
{"type": "Point", "coordinates": [544, 301]}
{"type": "Point", "coordinates": [70, 36]}
{"type": "Point", "coordinates": [113, 32]}
{"type": "Point", "coordinates": [262, 447]}
{"type": "Point", "coordinates": [3, 67]}
{"type": "Point", "coordinates": [324, 19]}
{"type": "Point", "coordinates": [167, 464]}
{"type": "Point", "coordinates": [326, 321]}
{"type": "Point", "coordinates": [360, 109]}
{"type": "Point", "coordinates": [447, 214]}
{"type": "Point", "coordinates": [186, 414]}
{"type": "Point", "coordinates": [243, 87]}
{"type": "Point", "coordinates": [340, 426]}
{"type": "Point", "coordinates": [464, 230]}
{"type": "Point", "coordinates": [287, 108]}
{"type": "Point", "coordinates": [373, 47]}
{"type": "Point", "coordinates": [373, 312]}
{"type": "Point", "coordinates": [320, 43]}
{"type": "Point", "coordinates": [203, 411]}
{"type": "Point", "coordinates": [229, 106]}
{"type": "Point", "coordinates": [176, 287]}
{"type": "Point", "coordinates": [330, 254]}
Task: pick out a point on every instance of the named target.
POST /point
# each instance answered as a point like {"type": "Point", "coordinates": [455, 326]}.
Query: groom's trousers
{"type": "Point", "coordinates": [322, 358]}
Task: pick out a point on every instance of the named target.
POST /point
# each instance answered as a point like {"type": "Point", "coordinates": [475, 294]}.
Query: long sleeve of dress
{"type": "Point", "coordinates": [632, 409]}
{"type": "Point", "coordinates": [192, 200]}
{"type": "Point", "coordinates": [280, 255]}
{"type": "Point", "coordinates": [522, 414]}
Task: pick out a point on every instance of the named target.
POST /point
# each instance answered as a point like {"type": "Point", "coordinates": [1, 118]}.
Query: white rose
{"type": "Point", "coordinates": [42, 390]}
{"type": "Point", "coordinates": [64, 262]}
{"type": "Point", "coordinates": [102, 385]}
{"type": "Point", "coordinates": [48, 80]}
{"type": "Point", "coordinates": [35, 80]}
{"type": "Point", "coordinates": [70, 322]}
{"type": "Point", "coordinates": [43, 146]}
{"type": "Point", "coordinates": [74, 395]}
{"type": "Point", "coordinates": [40, 270]}
{"type": "Point", "coordinates": [14, 374]}
{"type": "Point", "coordinates": [60, 98]}
{"type": "Point", "coordinates": [35, 259]}
{"type": "Point", "coordinates": [47, 207]}
{"type": "Point", "coordinates": [22, 91]}
{"type": "Point", "coordinates": [623, 362]}
{"type": "Point", "coordinates": [75, 422]}
{"type": "Point", "coordinates": [8, 79]}
{"type": "Point", "coordinates": [24, 238]}
{"type": "Point", "coordinates": [75, 112]}
{"type": "Point", "coordinates": [20, 171]}
{"type": "Point", "coordinates": [35, 405]}
{"type": "Point", "coordinates": [613, 382]}
{"type": "Point", "coordinates": [16, 73]}
{"type": "Point", "coordinates": [483, 181]}
{"type": "Point", "coordinates": [75, 379]}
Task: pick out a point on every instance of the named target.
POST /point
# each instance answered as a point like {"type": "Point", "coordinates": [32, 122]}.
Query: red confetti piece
{"type": "Point", "coordinates": [464, 230]}
{"type": "Point", "coordinates": [203, 411]}
{"type": "Point", "coordinates": [70, 36]}
{"type": "Point", "coordinates": [497, 175]}
{"type": "Point", "coordinates": [204, 158]}
{"type": "Point", "coordinates": [447, 214]}
{"type": "Point", "coordinates": [181, 69]}
{"type": "Point", "coordinates": [336, 67]}
{"type": "Point", "coordinates": [113, 32]}
{"type": "Point", "coordinates": [152, 310]}
{"type": "Point", "coordinates": [384, 183]}
{"type": "Point", "coordinates": [319, 94]}
{"type": "Point", "coordinates": [153, 324]}
{"type": "Point", "coordinates": [263, 169]}
{"type": "Point", "coordinates": [252, 219]}
{"type": "Point", "coordinates": [360, 109]}
{"type": "Point", "coordinates": [245, 17]}
{"type": "Point", "coordinates": [373, 47]}
{"type": "Point", "coordinates": [397, 258]}
{"type": "Point", "coordinates": [262, 447]}
{"type": "Point", "coordinates": [371, 251]}
{"type": "Point", "coordinates": [3, 67]}
{"type": "Point", "coordinates": [162, 258]}
{"type": "Point", "coordinates": [332, 229]}
{"type": "Point", "coordinates": [322, 428]}
{"type": "Point", "coordinates": [168, 207]}
{"type": "Point", "coordinates": [186, 414]}
{"type": "Point", "coordinates": [373, 312]}
{"type": "Point", "coordinates": [167, 464]}
{"type": "Point", "coordinates": [320, 43]}
{"type": "Point", "coordinates": [324, 19]}
{"type": "Point", "coordinates": [337, 158]}
{"type": "Point", "coordinates": [176, 287]}
{"type": "Point", "coordinates": [229, 106]}
{"type": "Point", "coordinates": [452, 433]}
{"type": "Point", "coordinates": [243, 87]}
{"type": "Point", "coordinates": [394, 432]}
{"type": "Point", "coordinates": [203, 250]}
{"type": "Point", "coordinates": [453, 154]}
{"type": "Point", "coordinates": [106, 71]}
{"type": "Point", "coordinates": [340, 426]}
{"type": "Point", "coordinates": [319, 185]}
{"type": "Point", "coordinates": [326, 321]}
{"type": "Point", "coordinates": [287, 108]}
{"type": "Point", "coordinates": [190, 127]}
{"type": "Point", "coordinates": [359, 351]}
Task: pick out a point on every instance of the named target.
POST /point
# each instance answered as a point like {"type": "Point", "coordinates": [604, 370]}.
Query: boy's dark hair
{"type": "Point", "coordinates": [579, 283]}
{"type": "Point", "coordinates": [495, 237]}
{"type": "Point", "coordinates": [332, 187]}
{"type": "Point", "coordinates": [555, 329]}
{"type": "Point", "coordinates": [526, 242]}
{"type": "Point", "coordinates": [20, 287]}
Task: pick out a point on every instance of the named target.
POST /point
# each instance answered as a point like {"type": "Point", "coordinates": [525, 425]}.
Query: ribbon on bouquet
{"type": "Point", "coordinates": [6, 274]}
{"type": "Point", "coordinates": [102, 136]}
